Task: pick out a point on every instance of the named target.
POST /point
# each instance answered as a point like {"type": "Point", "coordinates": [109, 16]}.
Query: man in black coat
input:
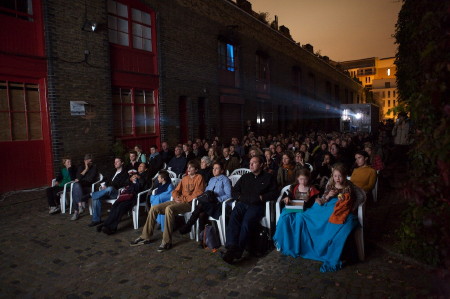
{"type": "Point", "coordinates": [155, 161]}
{"type": "Point", "coordinates": [108, 189]}
{"type": "Point", "coordinates": [251, 193]}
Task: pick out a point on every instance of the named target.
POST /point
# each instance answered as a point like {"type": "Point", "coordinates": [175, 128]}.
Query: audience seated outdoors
{"type": "Point", "coordinates": [138, 181]}
{"type": "Point", "coordinates": [109, 188]}
{"type": "Point", "coordinates": [162, 193]}
{"type": "Point", "coordinates": [178, 163]}
{"type": "Point", "coordinates": [191, 186]}
{"type": "Point", "coordinates": [363, 175]}
{"type": "Point", "coordinates": [66, 174]}
{"type": "Point", "coordinates": [320, 232]}
{"type": "Point", "coordinates": [87, 174]}
{"type": "Point", "coordinates": [250, 193]}
{"type": "Point", "coordinates": [210, 202]}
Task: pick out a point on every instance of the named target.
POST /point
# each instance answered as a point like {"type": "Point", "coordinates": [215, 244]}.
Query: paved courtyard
{"type": "Point", "coordinates": [43, 256]}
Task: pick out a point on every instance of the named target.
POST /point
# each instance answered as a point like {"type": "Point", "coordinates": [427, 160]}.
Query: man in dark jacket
{"type": "Point", "coordinates": [166, 153]}
{"type": "Point", "coordinates": [108, 189]}
{"type": "Point", "coordinates": [251, 193]}
{"type": "Point", "coordinates": [87, 174]}
{"type": "Point", "coordinates": [178, 163]}
{"type": "Point", "coordinates": [155, 161]}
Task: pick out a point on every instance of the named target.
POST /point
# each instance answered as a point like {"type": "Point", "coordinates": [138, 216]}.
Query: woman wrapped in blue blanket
{"type": "Point", "coordinates": [320, 232]}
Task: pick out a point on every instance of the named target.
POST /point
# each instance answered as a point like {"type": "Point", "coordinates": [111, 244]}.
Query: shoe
{"type": "Point", "coordinates": [108, 231]}
{"type": "Point", "coordinates": [80, 210]}
{"type": "Point", "coordinates": [164, 247]}
{"type": "Point", "coordinates": [99, 228]}
{"type": "Point", "coordinates": [95, 223]}
{"type": "Point", "coordinates": [75, 216]}
{"type": "Point", "coordinates": [228, 257]}
{"type": "Point", "coordinates": [139, 241]}
{"type": "Point", "coordinates": [53, 210]}
{"type": "Point", "coordinates": [185, 229]}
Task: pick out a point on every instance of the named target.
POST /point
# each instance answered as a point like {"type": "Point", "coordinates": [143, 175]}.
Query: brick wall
{"type": "Point", "coordinates": [72, 78]}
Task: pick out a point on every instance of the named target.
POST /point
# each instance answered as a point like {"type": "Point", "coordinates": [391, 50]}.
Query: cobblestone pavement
{"type": "Point", "coordinates": [45, 256]}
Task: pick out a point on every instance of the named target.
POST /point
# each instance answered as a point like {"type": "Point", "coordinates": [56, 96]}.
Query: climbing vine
{"type": "Point", "coordinates": [423, 65]}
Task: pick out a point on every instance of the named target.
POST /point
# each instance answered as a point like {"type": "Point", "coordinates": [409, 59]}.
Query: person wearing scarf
{"type": "Point", "coordinates": [287, 173]}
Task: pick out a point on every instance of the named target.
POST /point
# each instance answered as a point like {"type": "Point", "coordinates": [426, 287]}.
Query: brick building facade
{"type": "Point", "coordinates": [158, 70]}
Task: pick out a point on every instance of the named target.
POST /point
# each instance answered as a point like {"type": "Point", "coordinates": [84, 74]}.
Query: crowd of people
{"type": "Point", "coordinates": [325, 171]}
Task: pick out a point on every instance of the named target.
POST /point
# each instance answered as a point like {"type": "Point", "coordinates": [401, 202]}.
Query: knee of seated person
{"type": "Point", "coordinates": [168, 211]}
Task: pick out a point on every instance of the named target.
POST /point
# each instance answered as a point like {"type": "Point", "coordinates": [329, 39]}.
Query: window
{"type": "Point", "coordinates": [385, 103]}
{"type": "Point", "coordinates": [389, 103]}
{"type": "Point", "coordinates": [20, 111]}
{"type": "Point", "coordinates": [389, 93]}
{"type": "Point", "coordinates": [384, 94]}
{"type": "Point", "coordinates": [262, 67]}
{"type": "Point", "coordinates": [134, 112]}
{"type": "Point", "coordinates": [387, 84]}
{"type": "Point", "coordinates": [129, 26]}
{"type": "Point", "coordinates": [388, 72]}
{"type": "Point", "coordinates": [20, 9]}
{"type": "Point", "coordinates": [393, 93]}
{"type": "Point", "coordinates": [227, 56]}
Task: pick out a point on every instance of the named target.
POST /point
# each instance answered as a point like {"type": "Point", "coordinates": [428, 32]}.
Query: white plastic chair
{"type": "Point", "coordinates": [187, 215]}
{"type": "Point", "coordinates": [220, 223]}
{"type": "Point", "coordinates": [278, 203]}
{"type": "Point", "coordinates": [139, 203]}
{"type": "Point", "coordinates": [234, 178]}
{"type": "Point", "coordinates": [240, 171]}
{"type": "Point", "coordinates": [172, 174]}
{"type": "Point", "coordinates": [359, 231]}
{"type": "Point", "coordinates": [175, 182]}
{"type": "Point", "coordinates": [311, 168]}
{"type": "Point", "coordinates": [375, 189]}
{"type": "Point", "coordinates": [100, 178]}
{"type": "Point", "coordinates": [62, 197]}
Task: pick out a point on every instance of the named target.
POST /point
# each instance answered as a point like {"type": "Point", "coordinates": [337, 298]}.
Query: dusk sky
{"type": "Point", "coordinates": [339, 29]}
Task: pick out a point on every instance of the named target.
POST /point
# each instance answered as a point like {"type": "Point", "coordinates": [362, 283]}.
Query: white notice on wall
{"type": "Point", "coordinates": [77, 108]}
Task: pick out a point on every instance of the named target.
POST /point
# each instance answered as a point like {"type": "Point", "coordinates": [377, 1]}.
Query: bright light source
{"type": "Point", "coordinates": [345, 116]}
{"type": "Point", "coordinates": [358, 115]}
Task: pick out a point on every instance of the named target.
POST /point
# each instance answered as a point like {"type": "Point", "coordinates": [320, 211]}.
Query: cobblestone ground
{"type": "Point", "coordinates": [45, 256]}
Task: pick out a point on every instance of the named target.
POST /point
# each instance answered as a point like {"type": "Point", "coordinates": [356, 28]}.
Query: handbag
{"type": "Point", "coordinates": [126, 194]}
{"type": "Point", "coordinates": [207, 197]}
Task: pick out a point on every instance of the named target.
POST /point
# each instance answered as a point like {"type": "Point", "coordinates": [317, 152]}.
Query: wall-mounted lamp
{"type": "Point", "coordinates": [89, 26]}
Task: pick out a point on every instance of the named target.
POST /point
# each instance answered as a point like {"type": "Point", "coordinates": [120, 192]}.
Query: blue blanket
{"type": "Point", "coordinates": [311, 236]}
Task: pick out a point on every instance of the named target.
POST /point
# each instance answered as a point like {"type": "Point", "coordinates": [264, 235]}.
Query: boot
{"type": "Point", "coordinates": [194, 216]}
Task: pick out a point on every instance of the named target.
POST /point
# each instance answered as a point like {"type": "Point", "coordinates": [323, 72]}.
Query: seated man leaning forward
{"type": "Point", "coordinates": [191, 186]}
{"type": "Point", "coordinates": [251, 192]}
{"type": "Point", "coordinates": [108, 189]}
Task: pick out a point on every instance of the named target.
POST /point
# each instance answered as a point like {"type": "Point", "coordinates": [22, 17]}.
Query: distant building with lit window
{"type": "Point", "coordinates": [377, 75]}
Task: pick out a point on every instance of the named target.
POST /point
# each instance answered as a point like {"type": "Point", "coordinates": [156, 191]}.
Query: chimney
{"type": "Point", "coordinates": [285, 31]}
{"type": "Point", "coordinates": [274, 23]}
{"type": "Point", "coordinates": [309, 48]}
{"type": "Point", "coordinates": [245, 5]}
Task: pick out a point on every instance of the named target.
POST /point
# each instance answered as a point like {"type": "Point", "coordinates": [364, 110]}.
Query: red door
{"type": "Point", "coordinates": [24, 137]}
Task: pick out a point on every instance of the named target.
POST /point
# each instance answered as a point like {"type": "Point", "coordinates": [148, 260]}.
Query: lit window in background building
{"type": "Point", "coordinates": [388, 72]}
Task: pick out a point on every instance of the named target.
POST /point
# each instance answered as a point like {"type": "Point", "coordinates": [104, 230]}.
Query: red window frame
{"type": "Point", "coordinates": [132, 25]}
{"type": "Point", "coordinates": [20, 9]}
{"type": "Point", "coordinates": [128, 109]}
